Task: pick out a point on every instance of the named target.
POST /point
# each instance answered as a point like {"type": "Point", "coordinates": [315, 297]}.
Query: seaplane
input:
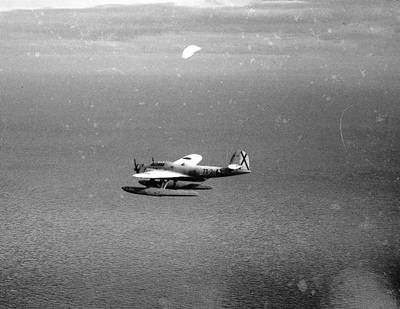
{"type": "Point", "coordinates": [183, 177]}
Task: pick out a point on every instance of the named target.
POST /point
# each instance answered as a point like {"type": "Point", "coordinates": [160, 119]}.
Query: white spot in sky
{"type": "Point", "coordinates": [363, 73]}
{"type": "Point", "coordinates": [189, 51]}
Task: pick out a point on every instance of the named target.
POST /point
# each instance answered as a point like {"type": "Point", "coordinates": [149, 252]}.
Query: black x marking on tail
{"type": "Point", "coordinates": [244, 156]}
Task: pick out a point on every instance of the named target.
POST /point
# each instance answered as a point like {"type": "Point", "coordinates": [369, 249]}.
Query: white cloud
{"type": "Point", "coordinates": [6, 5]}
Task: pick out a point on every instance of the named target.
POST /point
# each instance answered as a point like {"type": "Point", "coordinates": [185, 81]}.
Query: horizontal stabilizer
{"type": "Point", "coordinates": [234, 166]}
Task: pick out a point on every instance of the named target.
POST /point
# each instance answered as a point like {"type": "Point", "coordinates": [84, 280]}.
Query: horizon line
{"type": "Point", "coordinates": [201, 4]}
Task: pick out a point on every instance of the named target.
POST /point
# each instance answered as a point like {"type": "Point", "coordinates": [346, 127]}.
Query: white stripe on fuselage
{"type": "Point", "coordinates": [198, 171]}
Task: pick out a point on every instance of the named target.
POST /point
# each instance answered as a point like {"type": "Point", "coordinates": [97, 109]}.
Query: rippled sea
{"type": "Point", "coordinates": [313, 226]}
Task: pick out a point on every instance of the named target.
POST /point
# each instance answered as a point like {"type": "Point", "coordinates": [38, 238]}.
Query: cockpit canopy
{"type": "Point", "coordinates": [159, 163]}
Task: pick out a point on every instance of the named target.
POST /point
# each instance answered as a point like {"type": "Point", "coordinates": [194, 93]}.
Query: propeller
{"type": "Point", "coordinates": [136, 166]}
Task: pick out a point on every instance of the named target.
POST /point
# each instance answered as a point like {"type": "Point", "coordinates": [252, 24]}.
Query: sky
{"type": "Point", "coordinates": [268, 29]}
{"type": "Point", "coordinates": [6, 5]}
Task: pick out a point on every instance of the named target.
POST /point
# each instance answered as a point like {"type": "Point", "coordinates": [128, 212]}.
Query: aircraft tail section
{"type": "Point", "coordinates": [240, 160]}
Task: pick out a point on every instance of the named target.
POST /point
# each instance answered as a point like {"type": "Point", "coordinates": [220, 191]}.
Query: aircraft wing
{"type": "Point", "coordinates": [160, 174]}
{"type": "Point", "coordinates": [189, 160]}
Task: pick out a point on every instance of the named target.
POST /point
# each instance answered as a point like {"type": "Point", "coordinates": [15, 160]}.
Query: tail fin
{"type": "Point", "coordinates": [240, 160]}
